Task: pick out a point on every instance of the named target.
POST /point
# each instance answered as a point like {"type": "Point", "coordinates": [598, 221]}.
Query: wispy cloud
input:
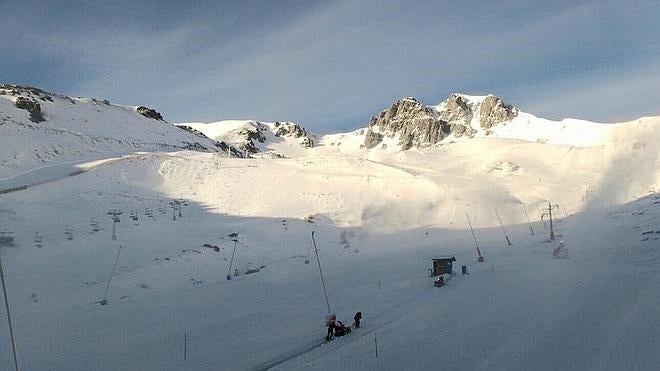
{"type": "Point", "coordinates": [330, 65]}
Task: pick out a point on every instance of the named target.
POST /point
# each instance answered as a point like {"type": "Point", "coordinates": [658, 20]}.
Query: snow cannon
{"type": "Point", "coordinates": [442, 266]}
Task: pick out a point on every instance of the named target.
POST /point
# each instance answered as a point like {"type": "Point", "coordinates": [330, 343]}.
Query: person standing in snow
{"type": "Point", "coordinates": [331, 331]}
{"type": "Point", "coordinates": [357, 318]}
{"type": "Point", "coordinates": [330, 323]}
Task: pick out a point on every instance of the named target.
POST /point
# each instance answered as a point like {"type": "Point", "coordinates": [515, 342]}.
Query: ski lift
{"type": "Point", "coordinates": [6, 238]}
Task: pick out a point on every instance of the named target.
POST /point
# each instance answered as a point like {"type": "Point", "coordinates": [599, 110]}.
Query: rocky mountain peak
{"type": "Point", "coordinates": [494, 111]}
{"type": "Point", "coordinates": [414, 122]}
{"type": "Point", "coordinates": [293, 130]}
{"type": "Point", "coordinates": [418, 125]}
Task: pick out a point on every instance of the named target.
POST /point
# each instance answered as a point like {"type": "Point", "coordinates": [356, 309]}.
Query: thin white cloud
{"type": "Point", "coordinates": [338, 63]}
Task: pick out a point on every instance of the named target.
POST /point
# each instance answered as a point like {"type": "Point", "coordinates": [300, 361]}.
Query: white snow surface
{"type": "Point", "coordinates": [233, 132]}
{"type": "Point", "coordinates": [380, 216]}
{"type": "Point", "coordinates": [80, 128]}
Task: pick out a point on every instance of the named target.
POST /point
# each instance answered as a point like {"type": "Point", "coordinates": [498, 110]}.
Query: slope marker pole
{"type": "Point", "coordinates": [11, 327]}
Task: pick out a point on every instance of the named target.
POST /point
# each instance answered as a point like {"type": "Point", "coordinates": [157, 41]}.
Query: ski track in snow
{"type": "Point", "coordinates": [380, 321]}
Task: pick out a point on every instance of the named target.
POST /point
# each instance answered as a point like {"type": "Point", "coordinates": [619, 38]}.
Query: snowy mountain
{"type": "Point", "coordinates": [409, 123]}
{"type": "Point", "coordinates": [382, 201]}
{"type": "Point", "coordinates": [255, 136]}
{"type": "Point", "coordinates": [38, 128]}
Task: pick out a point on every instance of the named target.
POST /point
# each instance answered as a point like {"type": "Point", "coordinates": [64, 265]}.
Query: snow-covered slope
{"type": "Point", "coordinates": [520, 310]}
{"type": "Point", "coordinates": [62, 128]}
{"type": "Point", "coordinates": [251, 136]}
{"type": "Point", "coordinates": [379, 216]}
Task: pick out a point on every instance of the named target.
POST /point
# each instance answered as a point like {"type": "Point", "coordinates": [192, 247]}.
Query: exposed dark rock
{"type": "Point", "coordinates": [417, 125]}
{"type": "Point", "coordinates": [149, 113]}
{"type": "Point", "coordinates": [290, 129]}
{"type": "Point", "coordinates": [456, 110]}
{"type": "Point", "coordinates": [222, 146]}
{"type": "Point", "coordinates": [251, 134]}
{"type": "Point", "coordinates": [27, 91]}
{"type": "Point", "coordinates": [372, 139]}
{"type": "Point", "coordinates": [458, 130]}
{"type": "Point", "coordinates": [494, 111]}
{"type": "Point", "coordinates": [32, 107]}
{"type": "Point", "coordinates": [414, 123]}
{"type": "Point", "coordinates": [191, 130]}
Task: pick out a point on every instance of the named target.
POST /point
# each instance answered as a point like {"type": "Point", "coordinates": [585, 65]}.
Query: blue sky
{"type": "Point", "coordinates": [330, 65]}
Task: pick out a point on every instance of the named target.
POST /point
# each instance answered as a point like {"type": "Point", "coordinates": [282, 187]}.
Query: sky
{"type": "Point", "coordinates": [331, 65]}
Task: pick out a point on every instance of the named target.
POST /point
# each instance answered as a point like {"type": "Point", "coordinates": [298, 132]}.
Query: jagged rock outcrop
{"type": "Point", "coordinates": [461, 112]}
{"type": "Point", "coordinates": [222, 146]}
{"type": "Point", "coordinates": [418, 125]}
{"type": "Point", "coordinates": [149, 113]}
{"type": "Point", "coordinates": [28, 92]}
{"type": "Point", "coordinates": [414, 123]}
{"type": "Point", "coordinates": [290, 129]}
{"type": "Point", "coordinates": [32, 107]}
{"type": "Point", "coordinates": [493, 111]}
{"type": "Point", "coordinates": [456, 110]}
{"type": "Point", "coordinates": [372, 139]}
{"type": "Point", "coordinates": [251, 134]}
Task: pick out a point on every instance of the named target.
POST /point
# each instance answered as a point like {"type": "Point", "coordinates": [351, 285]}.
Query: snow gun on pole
{"type": "Point", "coordinates": [548, 212]}
{"type": "Point", "coordinates": [480, 257]}
{"type": "Point", "coordinates": [508, 241]}
{"type": "Point", "coordinates": [531, 230]}
{"type": "Point", "coordinates": [234, 237]}
{"type": "Point", "coordinates": [318, 261]}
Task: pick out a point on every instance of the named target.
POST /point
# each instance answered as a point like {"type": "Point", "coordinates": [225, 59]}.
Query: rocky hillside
{"type": "Point", "coordinates": [255, 136]}
{"type": "Point", "coordinates": [418, 125]}
{"type": "Point", "coordinates": [38, 128]}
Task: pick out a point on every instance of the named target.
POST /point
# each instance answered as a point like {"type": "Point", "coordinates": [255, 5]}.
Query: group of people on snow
{"type": "Point", "coordinates": [337, 328]}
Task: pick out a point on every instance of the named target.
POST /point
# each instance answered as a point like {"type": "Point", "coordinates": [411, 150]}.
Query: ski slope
{"type": "Point", "coordinates": [379, 216]}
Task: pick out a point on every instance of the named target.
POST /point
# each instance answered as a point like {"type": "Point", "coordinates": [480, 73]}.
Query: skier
{"type": "Point", "coordinates": [357, 318]}
{"type": "Point", "coordinates": [464, 269]}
